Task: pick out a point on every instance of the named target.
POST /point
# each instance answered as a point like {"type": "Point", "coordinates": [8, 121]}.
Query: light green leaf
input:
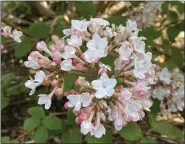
{"type": "Point", "coordinates": [131, 132]}
{"type": "Point", "coordinates": [36, 112]}
{"type": "Point", "coordinates": [52, 123]}
{"type": "Point", "coordinates": [39, 30]}
{"type": "Point", "coordinates": [86, 9]}
{"type": "Point", "coordinates": [148, 140]}
{"type": "Point", "coordinates": [7, 140]}
{"type": "Point", "coordinates": [41, 135]}
{"type": "Point", "coordinates": [23, 48]}
{"type": "Point", "coordinates": [107, 138]}
{"type": "Point", "coordinates": [31, 123]}
{"type": "Point", "coordinates": [72, 136]}
{"type": "Point", "coordinates": [165, 128]}
{"type": "Point", "coordinates": [177, 57]}
{"type": "Point", "coordinates": [6, 79]}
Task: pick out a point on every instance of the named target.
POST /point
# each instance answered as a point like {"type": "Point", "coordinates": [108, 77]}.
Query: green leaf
{"type": "Point", "coordinates": [156, 106]}
{"type": "Point", "coordinates": [86, 9]}
{"type": "Point", "coordinates": [70, 117]}
{"type": "Point", "coordinates": [23, 48]}
{"type": "Point", "coordinates": [148, 140]}
{"type": "Point", "coordinates": [177, 57]}
{"type": "Point", "coordinates": [31, 123]}
{"type": "Point", "coordinates": [117, 20]}
{"type": "Point", "coordinates": [69, 81]}
{"type": "Point", "coordinates": [165, 128]}
{"type": "Point", "coordinates": [39, 30]}
{"type": "Point", "coordinates": [109, 60]}
{"type": "Point", "coordinates": [178, 5]}
{"type": "Point", "coordinates": [41, 135]}
{"type": "Point", "coordinates": [72, 136]}
{"type": "Point", "coordinates": [131, 132]}
{"type": "Point", "coordinates": [172, 15]}
{"type": "Point", "coordinates": [172, 32]}
{"type": "Point", "coordinates": [7, 140]}
{"type": "Point", "coordinates": [52, 123]}
{"type": "Point", "coordinates": [36, 112]}
{"type": "Point", "coordinates": [107, 138]}
{"type": "Point", "coordinates": [4, 101]}
{"type": "Point", "coordinates": [6, 79]}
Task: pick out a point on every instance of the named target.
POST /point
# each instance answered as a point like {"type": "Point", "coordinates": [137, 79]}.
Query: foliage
{"type": "Point", "coordinates": [37, 26]}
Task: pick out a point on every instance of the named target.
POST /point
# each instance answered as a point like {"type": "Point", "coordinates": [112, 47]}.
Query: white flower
{"type": "Point", "coordinates": [118, 123]}
{"type": "Point", "coordinates": [32, 63]}
{"type": "Point", "coordinates": [132, 109]}
{"type": "Point", "coordinates": [108, 32]}
{"type": "Point", "coordinates": [75, 41]}
{"type": "Point", "coordinates": [67, 32]}
{"type": "Point", "coordinates": [96, 48]}
{"type": "Point", "coordinates": [39, 79]}
{"type": "Point", "coordinates": [86, 127]}
{"type": "Point", "coordinates": [83, 81]}
{"type": "Point", "coordinates": [159, 93]}
{"type": "Point", "coordinates": [125, 51]}
{"type": "Point", "coordinates": [101, 65]}
{"type": "Point", "coordinates": [104, 86]}
{"type": "Point", "coordinates": [132, 25]}
{"type": "Point", "coordinates": [139, 44]}
{"type": "Point", "coordinates": [99, 131]}
{"type": "Point", "coordinates": [46, 99]}
{"type": "Point", "coordinates": [66, 65]}
{"type": "Point", "coordinates": [99, 21]}
{"type": "Point", "coordinates": [181, 91]}
{"type": "Point", "coordinates": [74, 101]}
{"type": "Point", "coordinates": [16, 35]}
{"type": "Point", "coordinates": [143, 65]}
{"type": "Point", "coordinates": [125, 95]}
{"type": "Point", "coordinates": [77, 101]}
{"type": "Point", "coordinates": [165, 76]}
{"type": "Point", "coordinates": [31, 85]}
{"type": "Point", "coordinates": [80, 25]}
{"type": "Point", "coordinates": [69, 52]}
{"type": "Point", "coordinates": [146, 104]}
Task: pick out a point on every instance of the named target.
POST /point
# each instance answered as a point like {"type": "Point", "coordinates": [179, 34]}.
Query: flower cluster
{"type": "Point", "coordinates": [169, 89]}
{"type": "Point", "coordinates": [6, 31]}
{"type": "Point", "coordinates": [145, 15]}
{"type": "Point", "coordinates": [119, 94]}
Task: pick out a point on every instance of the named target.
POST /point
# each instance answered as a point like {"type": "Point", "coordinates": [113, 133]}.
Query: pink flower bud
{"type": "Point", "coordinates": [78, 120]}
{"type": "Point", "coordinates": [83, 116]}
{"type": "Point", "coordinates": [137, 89]}
{"type": "Point", "coordinates": [41, 61]}
{"type": "Point", "coordinates": [58, 91]}
{"type": "Point", "coordinates": [79, 66]}
{"type": "Point", "coordinates": [76, 32]}
{"type": "Point", "coordinates": [77, 82]}
{"type": "Point", "coordinates": [72, 91]}
{"type": "Point", "coordinates": [41, 46]}
{"type": "Point", "coordinates": [55, 38]}
{"type": "Point", "coordinates": [66, 106]}
{"type": "Point", "coordinates": [54, 82]}
{"type": "Point", "coordinates": [1, 46]}
{"type": "Point", "coordinates": [102, 70]}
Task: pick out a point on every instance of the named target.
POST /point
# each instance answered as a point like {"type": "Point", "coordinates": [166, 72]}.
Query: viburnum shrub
{"type": "Point", "coordinates": [119, 94]}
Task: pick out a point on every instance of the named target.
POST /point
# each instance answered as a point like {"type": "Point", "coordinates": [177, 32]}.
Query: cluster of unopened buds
{"type": "Point", "coordinates": [169, 89]}
{"type": "Point", "coordinates": [145, 15]}
{"type": "Point", "coordinates": [6, 31]}
{"type": "Point", "coordinates": [119, 94]}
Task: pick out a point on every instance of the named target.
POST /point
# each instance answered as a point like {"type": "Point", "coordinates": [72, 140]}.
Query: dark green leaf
{"type": "Point", "coordinates": [131, 132]}
{"type": "Point", "coordinates": [86, 9]}
{"type": "Point", "coordinates": [117, 20]}
{"type": "Point", "coordinates": [156, 106]}
{"type": "Point", "coordinates": [107, 138]}
{"type": "Point", "coordinates": [70, 117]}
{"type": "Point", "coordinates": [23, 48]}
{"type": "Point", "coordinates": [148, 140]}
{"type": "Point", "coordinates": [36, 112]}
{"type": "Point", "coordinates": [177, 57]}
{"type": "Point", "coordinates": [4, 101]}
{"type": "Point", "coordinates": [41, 135]}
{"type": "Point", "coordinates": [109, 60]}
{"type": "Point", "coordinates": [172, 32]}
{"type": "Point", "coordinates": [172, 15]}
{"type": "Point", "coordinates": [31, 123]}
{"type": "Point", "coordinates": [69, 81]}
{"type": "Point", "coordinates": [39, 30]}
{"type": "Point", "coordinates": [6, 79]}
{"type": "Point", "coordinates": [72, 136]}
{"type": "Point", "coordinates": [52, 123]}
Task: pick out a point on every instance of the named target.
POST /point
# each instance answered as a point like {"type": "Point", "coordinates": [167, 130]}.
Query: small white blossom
{"type": "Point", "coordinates": [139, 44]}
{"type": "Point", "coordinates": [32, 63]}
{"type": "Point", "coordinates": [66, 65]}
{"type": "Point", "coordinates": [86, 127]}
{"type": "Point", "coordinates": [159, 93]}
{"type": "Point", "coordinates": [132, 25]}
{"type": "Point", "coordinates": [80, 25]}
{"type": "Point", "coordinates": [75, 41]}
{"type": "Point", "coordinates": [165, 76]}
{"type": "Point", "coordinates": [99, 131]}
{"type": "Point", "coordinates": [125, 51]}
{"type": "Point", "coordinates": [69, 52]}
{"type": "Point", "coordinates": [16, 35]}
{"type": "Point", "coordinates": [104, 86]}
